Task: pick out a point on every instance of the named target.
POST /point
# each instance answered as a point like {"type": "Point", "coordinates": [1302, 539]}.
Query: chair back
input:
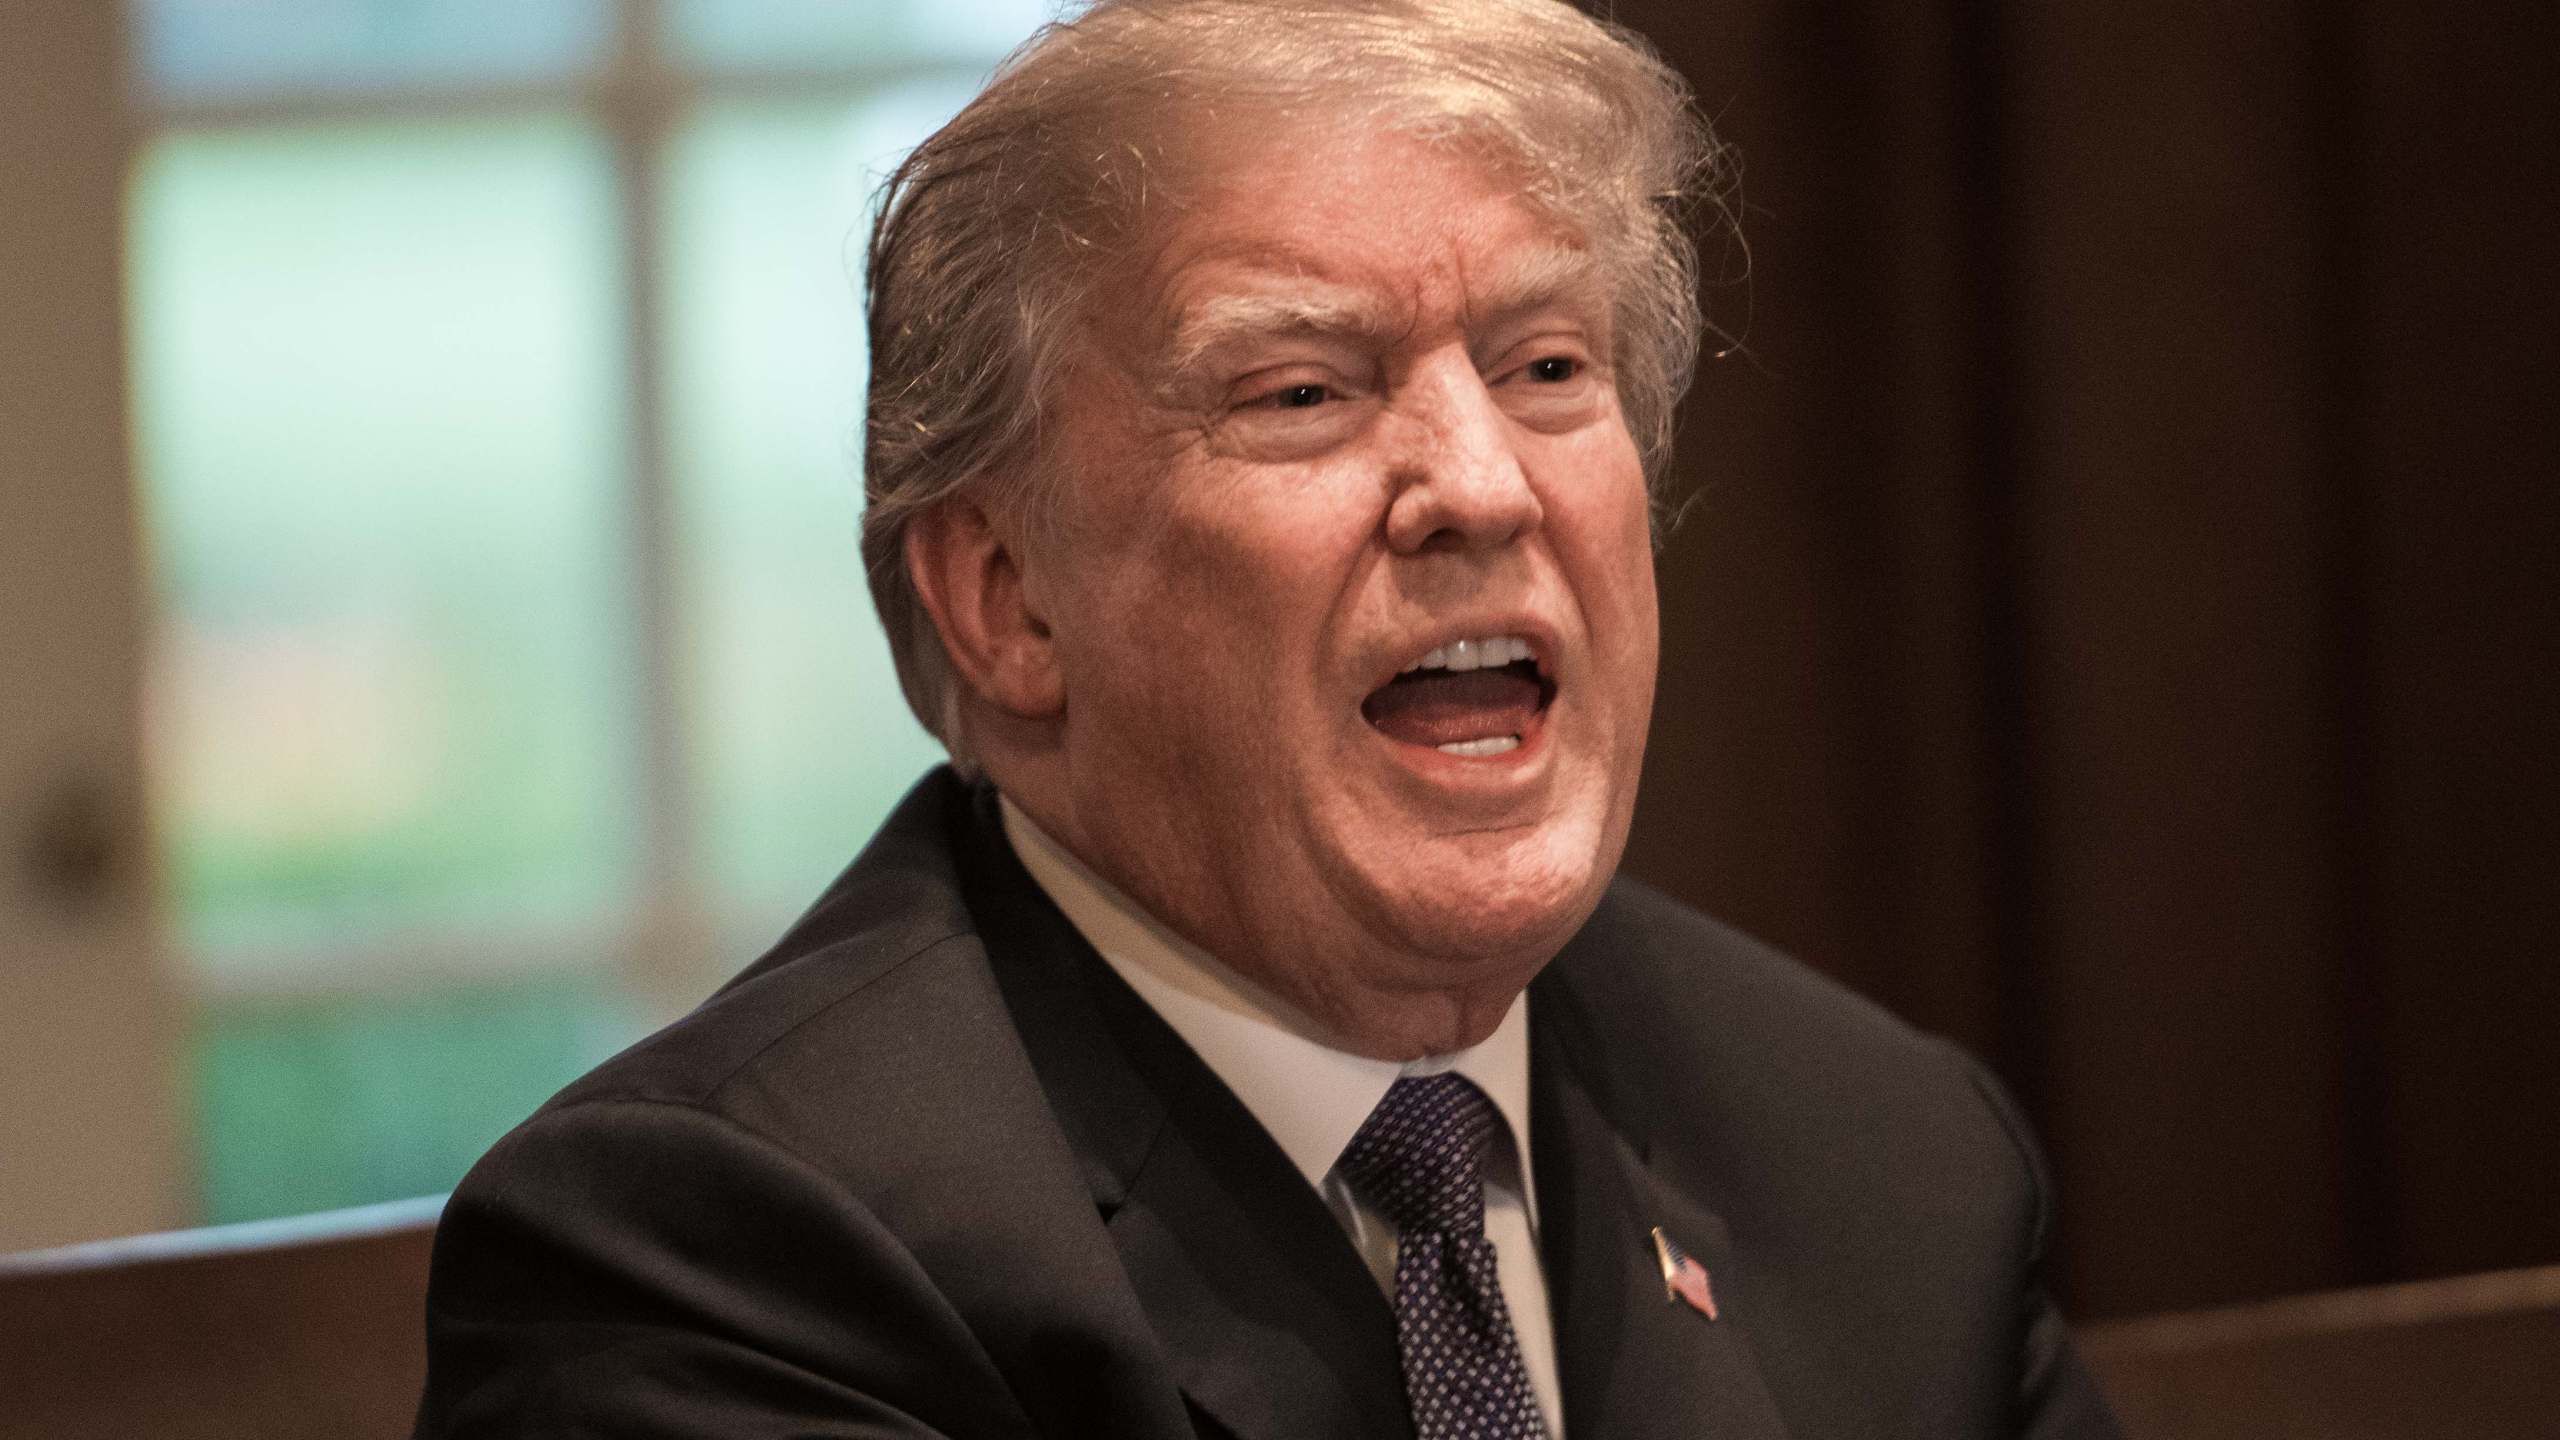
{"type": "Point", "coordinates": [312, 1328]}
{"type": "Point", "coordinates": [2477, 1357]}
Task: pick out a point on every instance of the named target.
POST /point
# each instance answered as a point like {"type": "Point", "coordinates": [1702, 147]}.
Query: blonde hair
{"type": "Point", "coordinates": [994, 233]}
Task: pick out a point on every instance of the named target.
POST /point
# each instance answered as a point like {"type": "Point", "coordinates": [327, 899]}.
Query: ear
{"type": "Point", "coordinates": [971, 581]}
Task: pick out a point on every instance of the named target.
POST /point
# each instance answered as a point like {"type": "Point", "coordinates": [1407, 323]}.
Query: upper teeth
{"type": "Point", "coordinates": [1492, 650]}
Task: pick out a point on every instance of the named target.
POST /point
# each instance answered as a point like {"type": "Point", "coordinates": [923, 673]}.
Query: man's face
{"type": "Point", "coordinates": [1355, 415]}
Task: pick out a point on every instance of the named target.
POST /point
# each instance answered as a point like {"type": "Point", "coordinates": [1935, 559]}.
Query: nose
{"type": "Point", "coordinates": [1457, 480]}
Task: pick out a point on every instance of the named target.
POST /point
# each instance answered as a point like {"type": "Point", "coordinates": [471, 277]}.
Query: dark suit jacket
{"type": "Point", "coordinates": [930, 1167]}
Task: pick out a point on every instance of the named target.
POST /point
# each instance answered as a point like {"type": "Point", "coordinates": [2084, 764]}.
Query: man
{"type": "Point", "coordinates": [1257, 1042]}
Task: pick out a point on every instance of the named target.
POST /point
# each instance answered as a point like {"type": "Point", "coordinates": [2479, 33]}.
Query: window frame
{"type": "Point", "coordinates": [638, 98]}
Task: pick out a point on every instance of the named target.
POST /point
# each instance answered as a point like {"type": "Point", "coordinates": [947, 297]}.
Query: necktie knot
{"type": "Point", "coordinates": [1418, 1158]}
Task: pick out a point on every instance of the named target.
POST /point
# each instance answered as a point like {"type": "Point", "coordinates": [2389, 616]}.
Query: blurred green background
{"type": "Point", "coordinates": [497, 381]}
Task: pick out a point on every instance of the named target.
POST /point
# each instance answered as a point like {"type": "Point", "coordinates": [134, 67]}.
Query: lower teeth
{"type": "Point", "coordinates": [1476, 749]}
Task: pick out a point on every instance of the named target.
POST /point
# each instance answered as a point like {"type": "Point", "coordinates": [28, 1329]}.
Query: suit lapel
{"type": "Point", "coordinates": [1634, 1363]}
{"type": "Point", "coordinates": [1274, 1327]}
{"type": "Point", "coordinates": [1268, 1320]}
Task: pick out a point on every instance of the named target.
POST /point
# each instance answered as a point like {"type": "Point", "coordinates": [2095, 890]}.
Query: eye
{"type": "Point", "coordinates": [1299, 397]}
{"type": "Point", "coordinates": [1294, 411]}
{"type": "Point", "coordinates": [1293, 395]}
{"type": "Point", "coordinates": [1557, 389]}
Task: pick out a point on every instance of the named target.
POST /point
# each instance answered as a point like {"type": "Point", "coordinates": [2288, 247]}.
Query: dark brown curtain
{"type": "Point", "coordinates": [2118, 622]}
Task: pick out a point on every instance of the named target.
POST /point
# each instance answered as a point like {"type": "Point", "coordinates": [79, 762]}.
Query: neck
{"type": "Point", "coordinates": [1397, 1025]}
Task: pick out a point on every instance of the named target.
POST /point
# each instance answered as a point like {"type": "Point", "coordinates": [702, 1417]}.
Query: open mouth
{"type": "Point", "coordinates": [1474, 699]}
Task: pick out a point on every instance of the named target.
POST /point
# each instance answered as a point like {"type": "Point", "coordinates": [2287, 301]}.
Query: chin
{"type": "Point", "coordinates": [1508, 906]}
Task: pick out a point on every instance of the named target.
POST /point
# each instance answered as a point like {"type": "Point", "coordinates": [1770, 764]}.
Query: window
{"type": "Point", "coordinates": [497, 386]}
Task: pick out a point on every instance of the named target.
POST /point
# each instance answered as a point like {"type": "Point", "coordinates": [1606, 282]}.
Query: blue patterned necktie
{"type": "Point", "coordinates": [1418, 1161]}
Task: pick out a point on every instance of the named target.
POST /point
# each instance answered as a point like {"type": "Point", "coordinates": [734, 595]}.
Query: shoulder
{"type": "Point", "coordinates": [1672, 978]}
{"type": "Point", "coordinates": [1887, 1212]}
{"type": "Point", "coordinates": [853, 1116]}
{"type": "Point", "coordinates": [1745, 1058]}
{"type": "Point", "coordinates": [882, 981]}
{"type": "Point", "coordinates": [869, 1056]}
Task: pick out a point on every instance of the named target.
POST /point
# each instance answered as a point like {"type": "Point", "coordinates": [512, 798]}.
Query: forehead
{"type": "Point", "coordinates": [1336, 231]}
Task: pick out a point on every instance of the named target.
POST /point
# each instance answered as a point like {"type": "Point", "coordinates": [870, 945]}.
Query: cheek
{"type": "Point", "coordinates": [1606, 523]}
{"type": "Point", "coordinates": [1264, 557]}
{"type": "Point", "coordinates": [1201, 620]}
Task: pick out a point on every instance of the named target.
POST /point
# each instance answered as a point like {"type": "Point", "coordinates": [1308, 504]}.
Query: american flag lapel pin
{"type": "Point", "coordinates": [1682, 1277]}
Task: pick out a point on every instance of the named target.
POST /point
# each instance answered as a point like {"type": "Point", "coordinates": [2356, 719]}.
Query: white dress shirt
{"type": "Point", "coordinates": [1311, 1095]}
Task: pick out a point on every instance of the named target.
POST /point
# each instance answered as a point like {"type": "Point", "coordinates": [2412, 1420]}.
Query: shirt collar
{"type": "Point", "coordinates": [1309, 1093]}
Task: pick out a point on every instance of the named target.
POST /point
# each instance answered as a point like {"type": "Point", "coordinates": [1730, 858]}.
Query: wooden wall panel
{"type": "Point", "coordinates": [1817, 772]}
{"type": "Point", "coordinates": [2168, 304]}
{"type": "Point", "coordinates": [2459, 406]}
{"type": "Point", "coordinates": [2115, 629]}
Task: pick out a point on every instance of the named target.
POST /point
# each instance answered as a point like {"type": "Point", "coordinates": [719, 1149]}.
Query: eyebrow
{"type": "Point", "coordinates": [1222, 321]}
{"type": "Point", "coordinates": [1548, 276]}
{"type": "Point", "coordinates": [1544, 277]}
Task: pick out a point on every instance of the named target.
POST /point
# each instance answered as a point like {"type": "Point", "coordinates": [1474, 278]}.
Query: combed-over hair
{"type": "Point", "coordinates": [994, 234]}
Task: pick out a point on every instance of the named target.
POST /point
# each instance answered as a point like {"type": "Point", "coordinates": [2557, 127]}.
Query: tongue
{"type": "Point", "coordinates": [1443, 707]}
